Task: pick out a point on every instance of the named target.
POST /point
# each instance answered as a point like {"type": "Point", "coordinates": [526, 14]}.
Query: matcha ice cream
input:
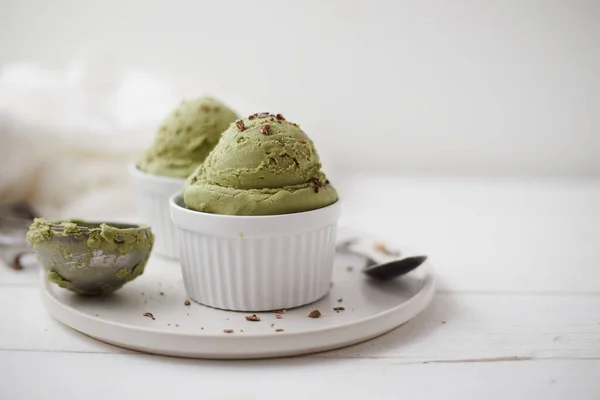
{"type": "Point", "coordinates": [263, 165]}
{"type": "Point", "coordinates": [186, 136]}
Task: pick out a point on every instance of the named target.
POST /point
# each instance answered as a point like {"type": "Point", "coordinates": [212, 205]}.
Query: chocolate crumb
{"type": "Point", "coordinates": [142, 293]}
{"type": "Point", "coordinates": [240, 125]}
{"type": "Point", "coordinates": [162, 293]}
{"type": "Point", "coordinates": [278, 316]}
{"type": "Point", "coordinates": [251, 117]}
{"type": "Point", "coordinates": [252, 317]}
{"type": "Point", "coordinates": [16, 266]}
{"type": "Point", "coordinates": [187, 302]}
{"type": "Point", "coordinates": [177, 325]}
{"type": "Point", "coordinates": [443, 322]}
{"type": "Point", "coordinates": [318, 184]}
{"type": "Point", "coordinates": [327, 181]}
{"type": "Point", "coordinates": [194, 179]}
{"type": "Point", "coordinates": [241, 330]}
{"type": "Point", "coordinates": [168, 324]}
{"type": "Point", "coordinates": [272, 325]}
{"type": "Point", "coordinates": [262, 115]}
{"type": "Point", "coordinates": [303, 141]}
{"type": "Point", "coordinates": [279, 330]}
{"type": "Point", "coordinates": [338, 309]}
{"type": "Point", "coordinates": [349, 269]}
{"type": "Point", "coordinates": [280, 117]}
{"type": "Point", "coordinates": [272, 119]}
{"type": "Point", "coordinates": [380, 246]}
{"type": "Point", "coordinates": [228, 330]}
{"type": "Point", "coordinates": [204, 107]}
{"type": "Point", "coordinates": [265, 129]}
{"type": "Point", "coordinates": [340, 300]}
{"type": "Point", "coordinates": [314, 314]}
{"type": "Point", "coordinates": [202, 328]}
{"type": "Point", "coordinates": [149, 315]}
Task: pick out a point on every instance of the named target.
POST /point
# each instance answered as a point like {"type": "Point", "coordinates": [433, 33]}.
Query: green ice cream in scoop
{"type": "Point", "coordinates": [186, 136]}
{"type": "Point", "coordinates": [263, 165]}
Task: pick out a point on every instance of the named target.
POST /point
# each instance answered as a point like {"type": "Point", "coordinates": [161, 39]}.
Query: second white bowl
{"type": "Point", "coordinates": [153, 194]}
{"type": "Point", "coordinates": [256, 263]}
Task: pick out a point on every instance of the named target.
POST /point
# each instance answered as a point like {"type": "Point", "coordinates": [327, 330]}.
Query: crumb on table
{"type": "Point", "coordinates": [149, 315]}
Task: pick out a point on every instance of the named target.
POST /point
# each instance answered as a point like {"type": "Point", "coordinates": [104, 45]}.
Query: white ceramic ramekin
{"type": "Point", "coordinates": [153, 193]}
{"type": "Point", "coordinates": [256, 263]}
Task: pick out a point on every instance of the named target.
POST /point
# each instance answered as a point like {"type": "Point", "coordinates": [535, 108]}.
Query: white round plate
{"type": "Point", "coordinates": [371, 308]}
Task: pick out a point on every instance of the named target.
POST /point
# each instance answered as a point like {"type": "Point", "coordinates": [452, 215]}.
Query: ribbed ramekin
{"type": "Point", "coordinates": [152, 194]}
{"type": "Point", "coordinates": [256, 263]}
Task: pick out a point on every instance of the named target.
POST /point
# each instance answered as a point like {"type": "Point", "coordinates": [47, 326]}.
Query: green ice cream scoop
{"type": "Point", "coordinates": [263, 165]}
{"type": "Point", "coordinates": [186, 136]}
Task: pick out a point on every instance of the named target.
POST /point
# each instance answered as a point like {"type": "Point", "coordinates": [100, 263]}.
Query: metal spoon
{"type": "Point", "coordinates": [15, 219]}
{"type": "Point", "coordinates": [396, 268]}
{"type": "Point", "coordinates": [381, 263]}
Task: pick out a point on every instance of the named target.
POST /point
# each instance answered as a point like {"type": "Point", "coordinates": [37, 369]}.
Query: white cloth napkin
{"type": "Point", "coordinates": [67, 135]}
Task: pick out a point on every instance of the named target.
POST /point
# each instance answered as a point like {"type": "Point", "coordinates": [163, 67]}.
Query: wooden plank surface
{"type": "Point", "coordinates": [517, 313]}
{"type": "Point", "coordinates": [102, 376]}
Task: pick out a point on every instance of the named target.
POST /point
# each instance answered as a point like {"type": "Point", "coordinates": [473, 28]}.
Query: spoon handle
{"type": "Point", "coordinates": [372, 252]}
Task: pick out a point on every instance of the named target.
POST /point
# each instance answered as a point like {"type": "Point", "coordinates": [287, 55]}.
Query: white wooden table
{"type": "Point", "coordinates": [517, 313]}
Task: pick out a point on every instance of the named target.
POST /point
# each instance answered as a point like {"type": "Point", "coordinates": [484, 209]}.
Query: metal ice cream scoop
{"type": "Point", "coordinates": [92, 258]}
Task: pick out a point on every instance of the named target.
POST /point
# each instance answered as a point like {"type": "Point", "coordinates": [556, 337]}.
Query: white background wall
{"type": "Point", "coordinates": [469, 87]}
